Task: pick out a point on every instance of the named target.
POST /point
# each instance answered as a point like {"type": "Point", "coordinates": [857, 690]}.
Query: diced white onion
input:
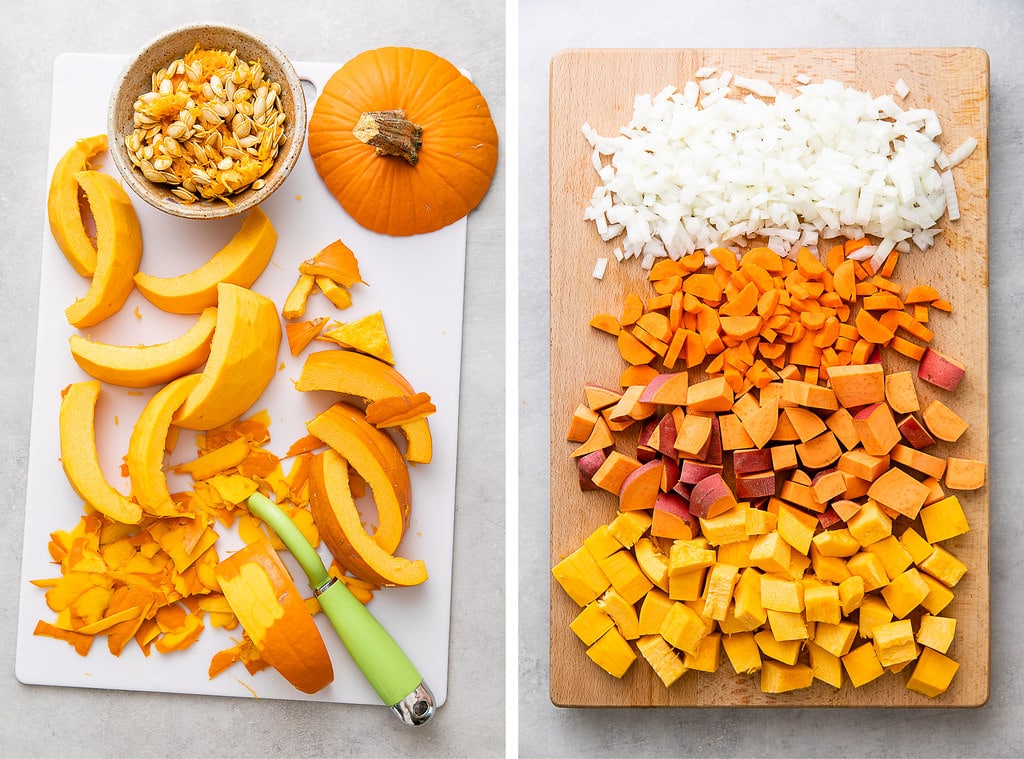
{"type": "Point", "coordinates": [757, 86]}
{"type": "Point", "coordinates": [963, 152]}
{"type": "Point", "coordinates": [949, 189]}
{"type": "Point", "coordinates": [599, 268]}
{"type": "Point", "coordinates": [901, 88]}
{"type": "Point", "coordinates": [698, 169]}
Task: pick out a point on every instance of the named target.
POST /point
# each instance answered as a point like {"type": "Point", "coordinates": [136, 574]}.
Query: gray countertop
{"type": "Point", "coordinates": [46, 721]}
{"type": "Point", "coordinates": [994, 730]}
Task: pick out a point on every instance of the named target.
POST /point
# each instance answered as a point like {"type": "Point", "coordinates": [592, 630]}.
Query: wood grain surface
{"type": "Point", "coordinates": [598, 87]}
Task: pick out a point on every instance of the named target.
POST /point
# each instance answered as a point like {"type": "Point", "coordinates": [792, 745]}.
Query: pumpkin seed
{"type": "Point", "coordinates": [191, 153]}
{"type": "Point", "coordinates": [184, 194]}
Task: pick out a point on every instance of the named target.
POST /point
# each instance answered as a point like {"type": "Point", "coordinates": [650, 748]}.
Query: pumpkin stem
{"type": "Point", "coordinates": [391, 133]}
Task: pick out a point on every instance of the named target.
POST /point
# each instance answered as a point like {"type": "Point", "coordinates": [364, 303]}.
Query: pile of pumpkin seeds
{"type": "Point", "coordinates": [211, 126]}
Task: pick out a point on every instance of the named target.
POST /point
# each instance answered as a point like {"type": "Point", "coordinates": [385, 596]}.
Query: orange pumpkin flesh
{"type": "Point", "coordinates": [377, 460]}
{"type": "Point", "coordinates": [368, 378]}
{"type": "Point", "coordinates": [338, 520]}
{"type": "Point", "coordinates": [266, 601]}
{"type": "Point", "coordinates": [379, 183]}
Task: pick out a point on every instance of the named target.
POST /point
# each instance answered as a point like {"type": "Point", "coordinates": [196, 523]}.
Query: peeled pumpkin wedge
{"type": "Point", "coordinates": [240, 262]}
{"type": "Point", "coordinates": [371, 379]}
{"type": "Point", "coordinates": [62, 207]}
{"type": "Point", "coordinates": [267, 602]}
{"type": "Point", "coordinates": [146, 446]}
{"type": "Point", "coordinates": [337, 518]}
{"type": "Point", "coordinates": [81, 460]}
{"type": "Point", "coordinates": [242, 361]}
{"type": "Point", "coordinates": [146, 365]}
{"type": "Point", "coordinates": [377, 460]}
{"type": "Point", "coordinates": [118, 250]}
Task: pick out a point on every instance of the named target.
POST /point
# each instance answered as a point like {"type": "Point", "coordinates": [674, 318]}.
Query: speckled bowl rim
{"type": "Point", "coordinates": [160, 51]}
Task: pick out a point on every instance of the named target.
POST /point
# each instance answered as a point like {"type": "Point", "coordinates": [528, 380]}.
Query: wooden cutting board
{"type": "Point", "coordinates": [598, 87]}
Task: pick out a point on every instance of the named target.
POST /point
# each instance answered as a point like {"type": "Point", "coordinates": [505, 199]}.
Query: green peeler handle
{"type": "Point", "coordinates": [385, 665]}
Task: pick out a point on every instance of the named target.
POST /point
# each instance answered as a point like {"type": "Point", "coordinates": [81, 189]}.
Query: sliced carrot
{"type": "Point", "coordinates": [725, 258]}
{"type": "Point", "coordinates": [764, 257]}
{"type": "Point", "coordinates": [633, 351]}
{"type": "Point", "coordinates": [921, 294]}
{"type": "Point", "coordinates": [915, 328]}
{"type": "Point", "coordinates": [872, 330]}
{"type": "Point", "coordinates": [853, 245]}
{"type": "Point", "coordinates": [605, 323]}
{"type": "Point", "coordinates": [632, 308]}
{"type": "Point", "coordinates": [743, 303]}
{"type": "Point", "coordinates": [637, 374]}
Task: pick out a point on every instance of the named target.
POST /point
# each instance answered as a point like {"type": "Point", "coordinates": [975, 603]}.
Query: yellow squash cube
{"type": "Point", "coordinates": [939, 596]}
{"type": "Point", "coordinates": [788, 625]}
{"type": "Point", "coordinates": [622, 613]}
{"type": "Point", "coordinates": [728, 527]}
{"type": "Point", "coordinates": [777, 677]}
{"type": "Point", "coordinates": [905, 593]}
{"type": "Point", "coordinates": [894, 642]}
{"type": "Point", "coordinates": [747, 608]}
{"type": "Point", "coordinates": [688, 555]}
{"type": "Point", "coordinates": [894, 557]}
{"type": "Point", "coordinates": [721, 580]}
{"type": "Point", "coordinates": [870, 524]}
{"type": "Point", "coordinates": [828, 568]}
{"type": "Point", "coordinates": [797, 527]}
{"type": "Point", "coordinates": [781, 593]}
{"type": "Point", "coordinates": [601, 543]}
{"type": "Point", "coordinates": [653, 610]}
{"type": "Point", "coordinates": [738, 553]}
{"type": "Point", "coordinates": [827, 666]}
{"type": "Point", "coordinates": [798, 565]}
{"type": "Point", "coordinates": [944, 566]}
{"type": "Point", "coordinates": [836, 543]}
{"type": "Point", "coordinates": [851, 593]}
{"type": "Point", "coordinates": [874, 611]}
{"type": "Point", "coordinates": [683, 628]}
{"type": "Point", "coordinates": [625, 575]}
{"type": "Point", "coordinates": [785, 651]}
{"type": "Point", "coordinates": [629, 526]}
{"type": "Point", "coordinates": [708, 655]}
{"type": "Point", "coordinates": [760, 522]}
{"type": "Point", "coordinates": [771, 553]}
{"type": "Point", "coordinates": [943, 520]}
{"type": "Point", "coordinates": [936, 632]}
{"type": "Point", "coordinates": [580, 576]}
{"type": "Point", "coordinates": [836, 639]}
{"type": "Point", "coordinates": [821, 603]}
{"type": "Point", "coordinates": [862, 665]}
{"type": "Point", "coordinates": [933, 673]}
{"type": "Point", "coordinates": [662, 657]}
{"type": "Point", "coordinates": [869, 567]}
{"type": "Point", "coordinates": [742, 651]}
{"type": "Point", "coordinates": [686, 586]}
{"type": "Point", "coordinates": [591, 623]}
{"type": "Point", "coordinates": [612, 653]}
{"type": "Point", "coordinates": [916, 546]}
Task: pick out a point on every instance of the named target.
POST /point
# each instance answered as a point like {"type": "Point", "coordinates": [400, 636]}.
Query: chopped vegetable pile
{"type": "Point", "coordinates": [795, 500]}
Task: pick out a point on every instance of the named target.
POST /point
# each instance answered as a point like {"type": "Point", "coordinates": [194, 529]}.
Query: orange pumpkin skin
{"type": "Point", "coordinates": [459, 150]}
{"type": "Point", "coordinates": [267, 602]}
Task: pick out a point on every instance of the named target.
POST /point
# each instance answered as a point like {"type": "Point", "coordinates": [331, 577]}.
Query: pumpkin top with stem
{"type": "Point", "coordinates": [403, 140]}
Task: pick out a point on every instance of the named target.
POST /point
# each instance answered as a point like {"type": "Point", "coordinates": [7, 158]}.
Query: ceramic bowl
{"type": "Point", "coordinates": [137, 79]}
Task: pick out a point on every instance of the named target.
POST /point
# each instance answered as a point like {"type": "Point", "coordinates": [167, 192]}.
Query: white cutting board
{"type": "Point", "coordinates": [417, 282]}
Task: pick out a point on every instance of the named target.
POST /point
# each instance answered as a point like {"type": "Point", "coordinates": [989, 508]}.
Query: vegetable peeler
{"type": "Point", "coordinates": [386, 667]}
